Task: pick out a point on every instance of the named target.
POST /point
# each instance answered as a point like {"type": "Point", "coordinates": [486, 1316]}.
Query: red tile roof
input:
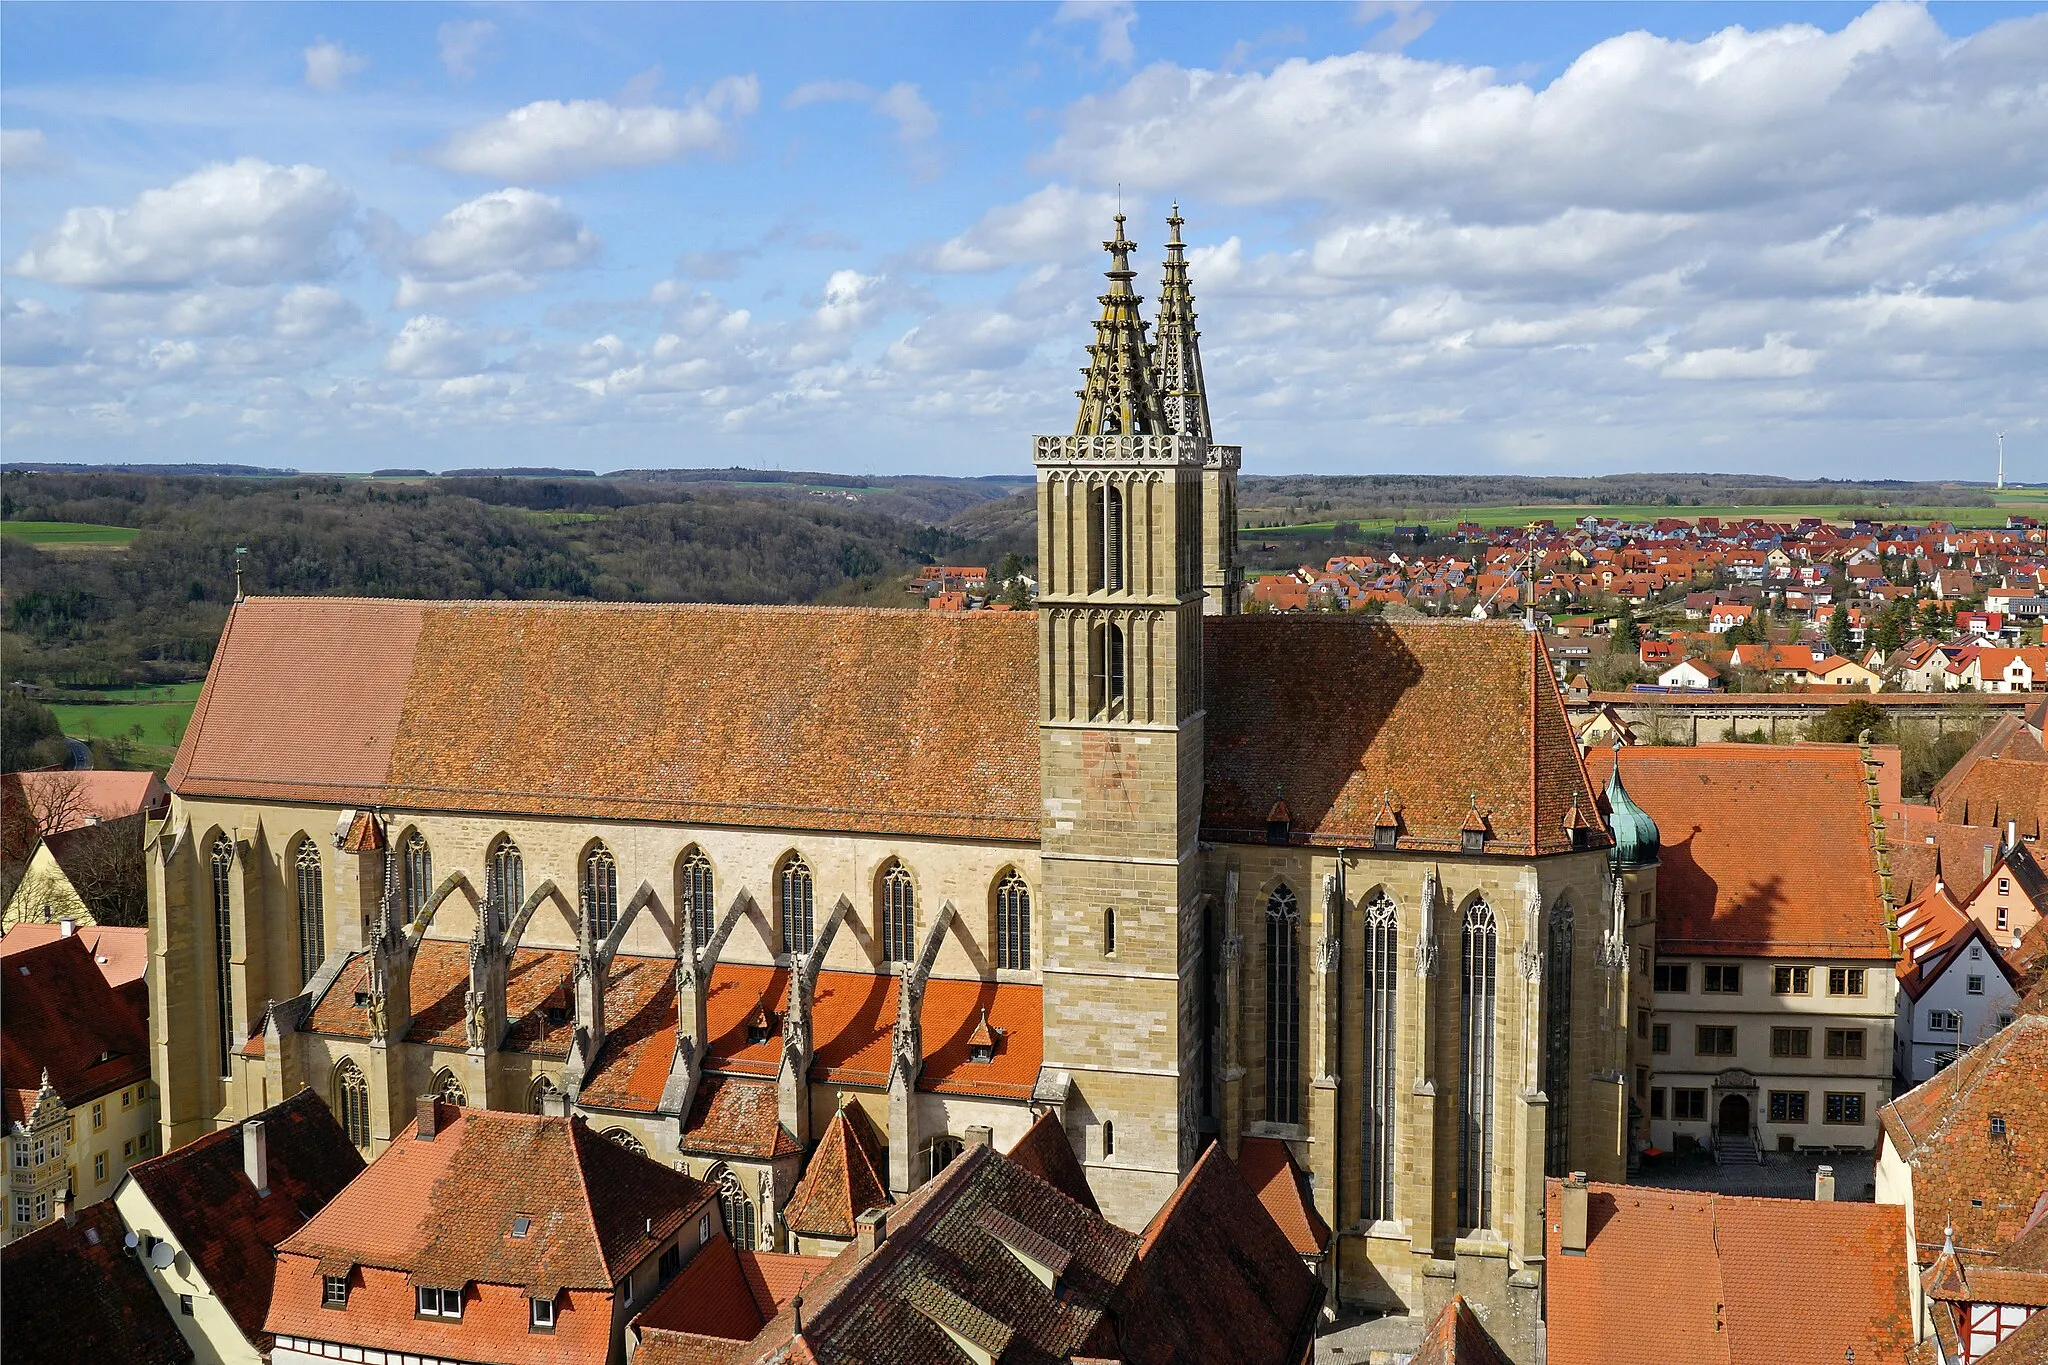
{"type": "Point", "coordinates": [1727, 1275]}
{"type": "Point", "coordinates": [58, 1015]}
{"type": "Point", "coordinates": [725, 1292]}
{"type": "Point", "coordinates": [70, 799]}
{"type": "Point", "coordinates": [735, 1117]}
{"type": "Point", "coordinates": [1281, 1185]}
{"type": "Point", "coordinates": [1332, 713]}
{"type": "Point", "coordinates": [1046, 1152]}
{"type": "Point", "coordinates": [1766, 849]}
{"type": "Point", "coordinates": [75, 1293]}
{"type": "Point", "coordinates": [1457, 1337]}
{"type": "Point", "coordinates": [121, 953]}
{"type": "Point", "coordinates": [1963, 1176]}
{"type": "Point", "coordinates": [847, 1175]}
{"type": "Point", "coordinates": [206, 1202]}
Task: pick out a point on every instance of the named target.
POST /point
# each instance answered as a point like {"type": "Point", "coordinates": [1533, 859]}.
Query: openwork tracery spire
{"type": "Point", "coordinates": [1176, 348]}
{"type": "Point", "coordinates": [1120, 398]}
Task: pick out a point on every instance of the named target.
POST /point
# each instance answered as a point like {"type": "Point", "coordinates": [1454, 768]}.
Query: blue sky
{"type": "Point", "coordinates": [1515, 237]}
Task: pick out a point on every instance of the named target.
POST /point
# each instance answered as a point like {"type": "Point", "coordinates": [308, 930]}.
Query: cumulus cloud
{"type": "Point", "coordinates": [1113, 21]}
{"type": "Point", "coordinates": [242, 222]}
{"type": "Point", "coordinates": [26, 151]}
{"type": "Point", "coordinates": [329, 65]}
{"type": "Point", "coordinates": [462, 43]}
{"type": "Point", "coordinates": [558, 140]}
{"type": "Point", "coordinates": [499, 243]}
{"type": "Point", "coordinates": [433, 347]}
{"type": "Point", "coordinates": [1054, 223]}
{"type": "Point", "coordinates": [902, 104]}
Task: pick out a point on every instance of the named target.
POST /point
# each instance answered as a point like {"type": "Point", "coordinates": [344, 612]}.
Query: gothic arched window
{"type": "Point", "coordinates": [539, 1094]}
{"type": "Point", "coordinates": [352, 1103]}
{"type": "Point", "coordinates": [939, 1154]}
{"type": "Point", "coordinates": [1557, 1039]}
{"type": "Point", "coordinates": [1013, 923]}
{"type": "Point", "coordinates": [738, 1210]}
{"type": "Point", "coordinates": [626, 1139]}
{"type": "Point", "coordinates": [223, 861]}
{"type": "Point", "coordinates": [1113, 538]}
{"type": "Point", "coordinates": [449, 1087]}
{"type": "Point", "coordinates": [1113, 666]}
{"type": "Point", "coordinates": [696, 898]}
{"type": "Point", "coordinates": [1283, 1009]}
{"type": "Point", "coordinates": [898, 906]}
{"type": "Point", "coordinates": [794, 891]}
{"type": "Point", "coordinates": [1109, 932]}
{"type": "Point", "coordinates": [1382, 1030]}
{"type": "Point", "coordinates": [312, 920]}
{"type": "Point", "coordinates": [504, 881]}
{"type": "Point", "coordinates": [600, 891]}
{"type": "Point", "coordinates": [1476, 993]}
{"type": "Point", "coordinates": [419, 876]}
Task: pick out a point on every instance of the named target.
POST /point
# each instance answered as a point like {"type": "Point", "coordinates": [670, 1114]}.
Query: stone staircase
{"type": "Point", "coordinates": [1729, 1150]}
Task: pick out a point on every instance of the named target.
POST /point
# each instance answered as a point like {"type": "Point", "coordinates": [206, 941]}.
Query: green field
{"type": "Point", "coordinates": [68, 533]}
{"type": "Point", "coordinates": [159, 713]}
{"type": "Point", "coordinates": [2026, 501]}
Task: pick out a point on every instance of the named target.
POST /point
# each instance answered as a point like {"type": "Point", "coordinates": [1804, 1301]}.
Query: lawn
{"type": "Point", "coordinates": [1566, 514]}
{"type": "Point", "coordinates": [68, 533]}
{"type": "Point", "coordinates": [160, 713]}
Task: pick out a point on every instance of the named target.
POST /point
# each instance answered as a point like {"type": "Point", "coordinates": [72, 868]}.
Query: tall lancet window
{"type": "Point", "coordinates": [1283, 1009]}
{"type": "Point", "coordinates": [419, 876]}
{"type": "Point", "coordinates": [312, 931]}
{"type": "Point", "coordinates": [795, 894]}
{"type": "Point", "coordinates": [223, 860]}
{"type": "Point", "coordinates": [1557, 1039]}
{"type": "Point", "coordinates": [504, 881]}
{"type": "Point", "coordinates": [1013, 924]}
{"type": "Point", "coordinates": [899, 913]}
{"type": "Point", "coordinates": [1113, 538]}
{"type": "Point", "coordinates": [352, 1103]}
{"type": "Point", "coordinates": [600, 891]}
{"type": "Point", "coordinates": [1477, 980]}
{"type": "Point", "coordinates": [1106, 651]}
{"type": "Point", "coordinates": [697, 895]}
{"type": "Point", "coordinates": [1382, 1032]}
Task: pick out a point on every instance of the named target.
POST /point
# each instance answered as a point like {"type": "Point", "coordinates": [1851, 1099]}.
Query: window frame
{"type": "Point", "coordinates": [1848, 1098]}
{"type": "Point", "coordinates": [1729, 974]}
{"type": "Point", "coordinates": [1844, 1036]}
{"type": "Point", "coordinates": [1718, 1031]}
{"type": "Point", "coordinates": [1688, 1104]}
{"type": "Point", "coordinates": [1013, 922]}
{"type": "Point", "coordinates": [896, 912]}
{"type": "Point", "coordinates": [1663, 973]}
{"type": "Point", "coordinates": [1973, 985]}
{"type": "Point", "coordinates": [334, 1291]}
{"type": "Point", "coordinates": [1852, 979]}
{"type": "Point", "coordinates": [1798, 1041]}
{"type": "Point", "coordinates": [442, 1298]}
{"type": "Point", "coordinates": [1792, 1099]}
{"type": "Point", "coordinates": [540, 1315]}
{"type": "Point", "coordinates": [1660, 1039]}
{"type": "Point", "coordinates": [1789, 979]}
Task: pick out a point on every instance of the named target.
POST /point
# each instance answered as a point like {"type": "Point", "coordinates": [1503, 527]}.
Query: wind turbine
{"type": "Point", "coordinates": [2001, 460]}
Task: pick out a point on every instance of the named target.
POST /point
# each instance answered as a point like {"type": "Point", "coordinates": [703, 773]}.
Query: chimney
{"type": "Point", "coordinates": [980, 1135]}
{"type": "Point", "coordinates": [2012, 833]}
{"type": "Point", "coordinates": [66, 927]}
{"type": "Point", "coordinates": [1572, 1223]}
{"type": "Point", "coordinates": [1824, 1184]}
{"type": "Point", "coordinates": [1990, 858]}
{"type": "Point", "coordinates": [430, 1118]}
{"type": "Point", "coordinates": [256, 1155]}
{"type": "Point", "coordinates": [869, 1231]}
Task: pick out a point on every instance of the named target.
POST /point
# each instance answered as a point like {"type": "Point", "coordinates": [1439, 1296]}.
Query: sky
{"type": "Point", "coordinates": [1799, 239]}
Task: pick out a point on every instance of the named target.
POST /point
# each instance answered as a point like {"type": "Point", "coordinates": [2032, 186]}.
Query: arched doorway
{"type": "Point", "coordinates": [1734, 1120]}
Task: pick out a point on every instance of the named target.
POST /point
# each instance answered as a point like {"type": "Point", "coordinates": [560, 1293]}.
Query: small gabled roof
{"type": "Point", "coordinates": [1457, 1337]}
{"type": "Point", "coordinates": [1268, 1166]}
{"type": "Point", "coordinates": [846, 1177]}
{"type": "Point", "coordinates": [76, 1293]}
{"type": "Point", "coordinates": [1936, 963]}
{"type": "Point", "coordinates": [1046, 1152]}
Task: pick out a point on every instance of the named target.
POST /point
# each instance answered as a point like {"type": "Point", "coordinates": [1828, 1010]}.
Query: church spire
{"type": "Point", "coordinates": [1176, 351]}
{"type": "Point", "coordinates": [1121, 397]}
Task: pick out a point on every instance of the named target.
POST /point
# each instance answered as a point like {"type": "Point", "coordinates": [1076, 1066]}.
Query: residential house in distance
{"type": "Point", "coordinates": [76, 1292]}
{"type": "Point", "coordinates": [121, 952]}
{"type": "Point", "coordinates": [1644, 1276]}
{"type": "Point", "coordinates": [1774, 992]}
{"type": "Point", "coordinates": [482, 1236]}
{"type": "Point", "coordinates": [75, 840]}
{"type": "Point", "coordinates": [208, 1218]}
{"type": "Point", "coordinates": [74, 1081]}
{"type": "Point", "coordinates": [1956, 987]}
{"type": "Point", "coordinates": [1690, 675]}
{"type": "Point", "coordinates": [1966, 1156]}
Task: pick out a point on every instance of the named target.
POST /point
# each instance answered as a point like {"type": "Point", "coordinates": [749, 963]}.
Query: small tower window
{"type": "Point", "coordinates": [1109, 932]}
{"type": "Point", "coordinates": [1108, 1137]}
{"type": "Point", "coordinates": [1113, 539]}
{"type": "Point", "coordinates": [1113, 666]}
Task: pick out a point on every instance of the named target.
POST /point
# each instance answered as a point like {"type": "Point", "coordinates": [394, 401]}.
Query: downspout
{"type": "Point", "coordinates": [1337, 1170]}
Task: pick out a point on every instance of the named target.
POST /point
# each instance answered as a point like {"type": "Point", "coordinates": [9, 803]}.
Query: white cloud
{"type": "Point", "coordinates": [329, 65]}
{"type": "Point", "coordinates": [499, 243]}
{"type": "Point", "coordinates": [828, 92]}
{"type": "Point", "coordinates": [902, 103]}
{"type": "Point", "coordinates": [1407, 20]}
{"type": "Point", "coordinates": [1058, 222]}
{"type": "Point", "coordinates": [557, 140]}
{"type": "Point", "coordinates": [1113, 21]}
{"type": "Point", "coordinates": [26, 151]}
{"type": "Point", "coordinates": [242, 222]}
{"type": "Point", "coordinates": [462, 42]}
{"type": "Point", "coordinates": [432, 347]}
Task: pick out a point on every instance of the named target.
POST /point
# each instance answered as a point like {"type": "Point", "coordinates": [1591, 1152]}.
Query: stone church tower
{"type": "Point", "coordinates": [1120, 529]}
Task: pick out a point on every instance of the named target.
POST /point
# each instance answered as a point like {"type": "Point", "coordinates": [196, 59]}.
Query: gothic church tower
{"type": "Point", "coordinates": [1184, 396]}
{"type": "Point", "coordinates": [1120, 743]}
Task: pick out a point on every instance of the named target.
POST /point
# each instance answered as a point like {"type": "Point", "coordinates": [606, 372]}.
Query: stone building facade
{"type": "Point", "coordinates": [1171, 872]}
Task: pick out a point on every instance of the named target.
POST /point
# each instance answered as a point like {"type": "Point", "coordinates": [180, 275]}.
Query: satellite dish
{"type": "Point", "coordinates": [129, 1241]}
{"type": "Point", "coordinates": [161, 1255]}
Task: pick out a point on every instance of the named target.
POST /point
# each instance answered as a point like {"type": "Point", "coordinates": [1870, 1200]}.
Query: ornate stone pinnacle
{"type": "Point", "coordinates": [1120, 396]}
{"type": "Point", "coordinates": [1176, 352]}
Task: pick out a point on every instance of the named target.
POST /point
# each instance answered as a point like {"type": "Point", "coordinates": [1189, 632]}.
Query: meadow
{"type": "Point", "coordinates": [66, 533]}
{"type": "Point", "coordinates": [150, 718]}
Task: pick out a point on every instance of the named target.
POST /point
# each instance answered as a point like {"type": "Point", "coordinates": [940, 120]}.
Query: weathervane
{"type": "Point", "coordinates": [240, 550]}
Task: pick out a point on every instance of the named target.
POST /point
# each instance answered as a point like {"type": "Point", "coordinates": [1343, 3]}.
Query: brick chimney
{"type": "Point", "coordinates": [980, 1135]}
{"type": "Point", "coordinates": [1572, 1219]}
{"type": "Point", "coordinates": [430, 1117]}
{"type": "Point", "coordinates": [869, 1231]}
{"type": "Point", "coordinates": [1824, 1184]}
{"type": "Point", "coordinates": [256, 1156]}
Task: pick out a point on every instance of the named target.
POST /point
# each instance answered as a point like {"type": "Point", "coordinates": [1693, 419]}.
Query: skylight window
{"type": "Point", "coordinates": [521, 1226]}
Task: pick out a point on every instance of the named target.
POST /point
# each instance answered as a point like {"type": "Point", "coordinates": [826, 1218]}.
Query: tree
{"type": "Point", "coordinates": [1935, 620]}
{"type": "Point", "coordinates": [1845, 724]}
{"type": "Point", "coordinates": [1890, 631]}
{"type": "Point", "coordinates": [29, 735]}
{"type": "Point", "coordinates": [1838, 630]}
{"type": "Point", "coordinates": [1626, 631]}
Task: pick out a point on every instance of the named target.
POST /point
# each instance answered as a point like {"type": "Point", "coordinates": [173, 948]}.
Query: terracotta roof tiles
{"type": "Point", "coordinates": [1046, 1152]}
{"type": "Point", "coordinates": [847, 1175]}
{"type": "Point", "coordinates": [731, 1116]}
{"type": "Point", "coordinates": [76, 1293]}
{"type": "Point", "coordinates": [1269, 1168]}
{"type": "Point", "coordinates": [58, 1015]}
{"type": "Point", "coordinates": [1457, 1337]}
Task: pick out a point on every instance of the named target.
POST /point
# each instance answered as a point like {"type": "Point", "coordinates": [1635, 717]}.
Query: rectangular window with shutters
{"type": "Point", "coordinates": [1788, 1106]}
{"type": "Point", "coordinates": [1718, 979]}
{"type": "Point", "coordinates": [1688, 1104]}
{"type": "Point", "coordinates": [1715, 1040]}
{"type": "Point", "coordinates": [1670, 978]}
{"type": "Point", "coordinates": [1791, 1042]}
{"type": "Point", "coordinates": [1845, 1043]}
{"type": "Point", "coordinates": [1843, 1108]}
{"type": "Point", "coordinates": [1791, 980]}
{"type": "Point", "coordinates": [1845, 981]}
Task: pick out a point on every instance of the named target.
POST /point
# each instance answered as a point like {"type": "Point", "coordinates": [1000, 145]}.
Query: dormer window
{"type": "Point", "coordinates": [334, 1291]}
{"type": "Point", "coordinates": [541, 1316]}
{"type": "Point", "coordinates": [362, 1000]}
{"type": "Point", "coordinates": [761, 1026]}
{"type": "Point", "coordinates": [1473, 841]}
{"type": "Point", "coordinates": [1998, 1127]}
{"type": "Point", "coordinates": [439, 1303]}
{"type": "Point", "coordinates": [1384, 838]}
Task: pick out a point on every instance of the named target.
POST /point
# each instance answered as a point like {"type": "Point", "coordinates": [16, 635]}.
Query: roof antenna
{"type": "Point", "coordinates": [240, 550]}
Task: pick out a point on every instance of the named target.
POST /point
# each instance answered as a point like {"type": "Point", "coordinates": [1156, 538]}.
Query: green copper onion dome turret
{"type": "Point", "coordinates": [1636, 840]}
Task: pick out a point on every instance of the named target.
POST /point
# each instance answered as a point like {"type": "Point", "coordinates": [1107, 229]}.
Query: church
{"type": "Point", "coordinates": [1175, 873]}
